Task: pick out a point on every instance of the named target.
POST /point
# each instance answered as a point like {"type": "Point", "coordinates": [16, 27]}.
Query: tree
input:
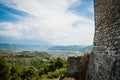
{"type": "Point", "coordinates": [15, 72]}
{"type": "Point", "coordinates": [4, 69]}
{"type": "Point", "coordinates": [59, 63]}
{"type": "Point", "coordinates": [30, 73]}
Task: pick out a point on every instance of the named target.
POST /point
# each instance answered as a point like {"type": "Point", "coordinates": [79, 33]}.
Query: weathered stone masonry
{"type": "Point", "coordinates": [73, 64]}
{"type": "Point", "coordinates": [104, 61]}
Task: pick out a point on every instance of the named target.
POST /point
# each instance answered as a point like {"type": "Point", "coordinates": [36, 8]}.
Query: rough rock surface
{"type": "Point", "coordinates": [104, 61]}
{"type": "Point", "coordinates": [73, 63]}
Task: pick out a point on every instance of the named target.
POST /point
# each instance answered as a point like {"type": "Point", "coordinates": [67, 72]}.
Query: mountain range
{"type": "Point", "coordinates": [21, 47]}
{"type": "Point", "coordinates": [80, 48]}
{"type": "Point", "coordinates": [15, 44]}
{"type": "Point", "coordinates": [10, 43]}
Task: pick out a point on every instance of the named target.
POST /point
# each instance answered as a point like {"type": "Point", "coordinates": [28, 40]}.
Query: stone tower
{"type": "Point", "coordinates": [104, 61]}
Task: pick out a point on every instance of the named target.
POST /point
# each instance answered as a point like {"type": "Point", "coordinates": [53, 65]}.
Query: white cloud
{"type": "Point", "coordinates": [51, 21]}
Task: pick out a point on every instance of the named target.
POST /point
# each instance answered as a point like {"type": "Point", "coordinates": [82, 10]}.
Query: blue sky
{"type": "Point", "coordinates": [59, 22]}
{"type": "Point", "coordinates": [10, 14]}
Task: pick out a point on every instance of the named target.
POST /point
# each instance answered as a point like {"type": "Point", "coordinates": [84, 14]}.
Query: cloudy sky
{"type": "Point", "coordinates": [59, 22]}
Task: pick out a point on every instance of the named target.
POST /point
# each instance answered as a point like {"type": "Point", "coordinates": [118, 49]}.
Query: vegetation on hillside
{"type": "Point", "coordinates": [30, 66]}
{"type": "Point", "coordinates": [27, 65]}
{"type": "Point", "coordinates": [25, 58]}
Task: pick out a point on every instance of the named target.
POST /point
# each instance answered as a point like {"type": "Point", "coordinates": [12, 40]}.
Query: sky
{"type": "Point", "coordinates": [58, 22]}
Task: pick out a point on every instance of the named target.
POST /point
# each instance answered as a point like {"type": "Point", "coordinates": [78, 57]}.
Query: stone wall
{"type": "Point", "coordinates": [73, 63]}
{"type": "Point", "coordinates": [104, 61]}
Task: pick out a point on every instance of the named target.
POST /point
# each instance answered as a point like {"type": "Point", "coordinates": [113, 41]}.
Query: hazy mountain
{"type": "Point", "coordinates": [80, 48]}
{"type": "Point", "coordinates": [10, 43]}
{"type": "Point", "coordinates": [21, 47]}
{"type": "Point", "coordinates": [11, 40]}
{"type": "Point", "coordinates": [23, 44]}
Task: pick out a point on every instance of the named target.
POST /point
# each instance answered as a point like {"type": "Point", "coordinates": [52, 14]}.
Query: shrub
{"type": "Point", "coordinates": [4, 69]}
{"type": "Point", "coordinates": [57, 73]}
{"type": "Point", "coordinates": [29, 73]}
{"type": "Point", "coordinates": [15, 72]}
{"type": "Point", "coordinates": [84, 64]}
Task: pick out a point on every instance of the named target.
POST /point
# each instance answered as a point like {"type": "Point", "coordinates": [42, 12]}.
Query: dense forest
{"type": "Point", "coordinates": [27, 65]}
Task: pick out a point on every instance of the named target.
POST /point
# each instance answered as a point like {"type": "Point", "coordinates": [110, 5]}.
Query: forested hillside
{"type": "Point", "coordinates": [29, 65]}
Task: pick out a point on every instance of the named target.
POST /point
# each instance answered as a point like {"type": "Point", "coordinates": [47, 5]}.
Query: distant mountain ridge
{"type": "Point", "coordinates": [22, 47]}
{"type": "Point", "coordinates": [11, 40]}
{"type": "Point", "coordinates": [10, 43]}
{"type": "Point", "coordinates": [80, 48]}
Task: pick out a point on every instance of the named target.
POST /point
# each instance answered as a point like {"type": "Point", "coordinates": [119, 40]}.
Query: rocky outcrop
{"type": "Point", "coordinates": [104, 61]}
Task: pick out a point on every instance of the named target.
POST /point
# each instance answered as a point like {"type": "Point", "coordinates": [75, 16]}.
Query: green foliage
{"type": "Point", "coordinates": [24, 56]}
{"type": "Point", "coordinates": [60, 63]}
{"type": "Point", "coordinates": [18, 62]}
{"type": "Point", "coordinates": [36, 63]}
{"type": "Point", "coordinates": [15, 72]}
{"type": "Point", "coordinates": [42, 55]}
{"type": "Point", "coordinates": [4, 70]}
{"type": "Point", "coordinates": [29, 73]}
{"type": "Point", "coordinates": [57, 73]}
{"type": "Point", "coordinates": [56, 63]}
{"type": "Point", "coordinates": [53, 69]}
{"type": "Point", "coordinates": [28, 65]}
